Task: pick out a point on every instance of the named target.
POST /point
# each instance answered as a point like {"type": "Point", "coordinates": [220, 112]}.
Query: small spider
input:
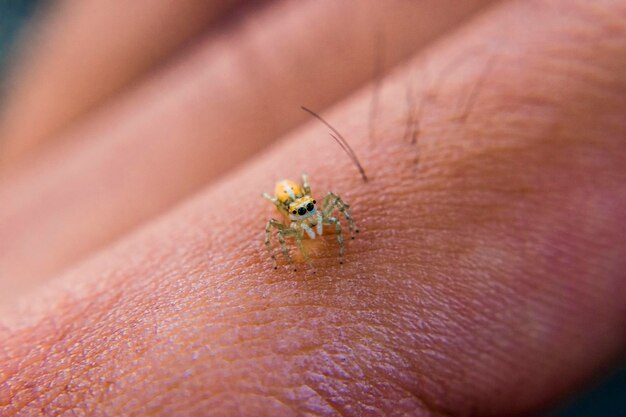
{"type": "Point", "coordinates": [296, 203]}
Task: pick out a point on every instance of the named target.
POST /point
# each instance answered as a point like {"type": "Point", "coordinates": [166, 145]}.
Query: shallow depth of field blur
{"type": "Point", "coordinates": [13, 14]}
{"type": "Point", "coordinates": [607, 398]}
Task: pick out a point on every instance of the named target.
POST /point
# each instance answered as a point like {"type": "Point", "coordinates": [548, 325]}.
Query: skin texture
{"type": "Point", "coordinates": [233, 94]}
{"type": "Point", "coordinates": [84, 52]}
{"type": "Point", "coordinates": [487, 278]}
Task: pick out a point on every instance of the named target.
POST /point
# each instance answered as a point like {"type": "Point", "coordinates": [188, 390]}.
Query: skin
{"type": "Point", "coordinates": [488, 277]}
{"type": "Point", "coordinates": [83, 52]}
{"type": "Point", "coordinates": [225, 87]}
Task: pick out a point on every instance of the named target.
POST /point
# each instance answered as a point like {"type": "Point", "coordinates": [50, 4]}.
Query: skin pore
{"type": "Point", "coordinates": [487, 278]}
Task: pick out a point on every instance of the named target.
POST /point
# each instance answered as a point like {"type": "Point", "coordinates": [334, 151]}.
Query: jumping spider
{"type": "Point", "coordinates": [296, 203]}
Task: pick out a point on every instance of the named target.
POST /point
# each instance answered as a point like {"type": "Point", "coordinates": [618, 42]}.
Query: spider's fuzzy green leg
{"type": "Point", "coordinates": [269, 197]}
{"type": "Point", "coordinates": [332, 220]}
{"type": "Point", "coordinates": [272, 224]}
{"type": "Point", "coordinates": [305, 184]}
{"type": "Point", "coordinates": [308, 230]}
{"type": "Point", "coordinates": [332, 201]}
{"type": "Point", "coordinates": [320, 223]}
{"type": "Point", "coordinates": [273, 200]}
{"type": "Point", "coordinates": [283, 246]}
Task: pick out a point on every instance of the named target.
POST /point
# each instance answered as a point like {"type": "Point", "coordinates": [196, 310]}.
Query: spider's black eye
{"type": "Point", "coordinates": [294, 212]}
{"type": "Point", "coordinates": [314, 202]}
{"type": "Point", "coordinates": [310, 207]}
{"type": "Point", "coordinates": [301, 211]}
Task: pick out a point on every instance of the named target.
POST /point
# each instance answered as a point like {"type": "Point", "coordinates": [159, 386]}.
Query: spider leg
{"type": "Point", "coordinates": [272, 224]}
{"type": "Point", "coordinates": [332, 220]}
{"type": "Point", "coordinates": [305, 184]}
{"type": "Point", "coordinates": [320, 223]}
{"type": "Point", "coordinates": [308, 230]}
{"type": "Point", "coordinates": [328, 205]}
{"type": "Point", "coordinates": [332, 201]}
{"type": "Point", "coordinates": [281, 239]}
{"type": "Point", "coordinates": [273, 200]}
{"type": "Point", "coordinates": [269, 197]}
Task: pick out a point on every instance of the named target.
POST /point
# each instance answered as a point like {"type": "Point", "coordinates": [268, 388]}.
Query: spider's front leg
{"type": "Point", "coordinates": [272, 224]}
{"type": "Point", "coordinates": [273, 200]}
{"type": "Point", "coordinates": [339, 233]}
{"type": "Point", "coordinates": [331, 202]}
{"type": "Point", "coordinates": [281, 232]}
{"type": "Point", "coordinates": [320, 223]}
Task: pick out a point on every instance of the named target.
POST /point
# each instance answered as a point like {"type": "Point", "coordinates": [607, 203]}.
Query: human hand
{"type": "Point", "coordinates": [487, 278]}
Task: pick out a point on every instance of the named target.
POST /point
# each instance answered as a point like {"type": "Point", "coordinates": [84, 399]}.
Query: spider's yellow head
{"type": "Point", "coordinates": [293, 198]}
{"type": "Point", "coordinates": [302, 208]}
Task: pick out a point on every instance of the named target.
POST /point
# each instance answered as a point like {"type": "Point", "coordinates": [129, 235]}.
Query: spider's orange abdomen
{"type": "Point", "coordinates": [287, 191]}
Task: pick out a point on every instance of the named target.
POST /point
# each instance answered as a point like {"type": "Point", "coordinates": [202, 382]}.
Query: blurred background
{"type": "Point", "coordinates": [13, 14]}
{"type": "Point", "coordinates": [606, 397]}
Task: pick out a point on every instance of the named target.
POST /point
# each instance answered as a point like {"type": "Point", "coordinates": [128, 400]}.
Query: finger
{"type": "Point", "coordinates": [487, 280]}
{"type": "Point", "coordinates": [86, 51]}
{"type": "Point", "coordinates": [218, 106]}
{"type": "Point", "coordinates": [80, 53]}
